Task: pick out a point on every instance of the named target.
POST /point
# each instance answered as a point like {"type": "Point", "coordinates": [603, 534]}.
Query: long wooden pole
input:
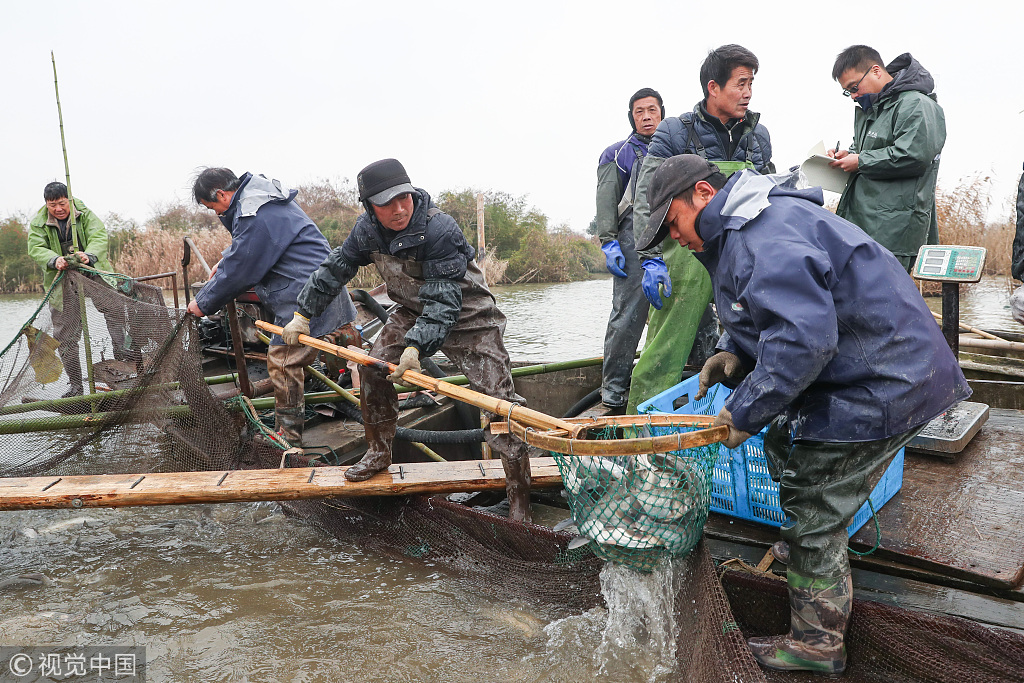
{"type": "Point", "coordinates": [74, 235]}
{"type": "Point", "coordinates": [506, 409]}
{"type": "Point", "coordinates": [975, 330]}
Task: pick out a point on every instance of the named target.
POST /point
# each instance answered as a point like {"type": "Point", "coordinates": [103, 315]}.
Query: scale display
{"type": "Point", "coordinates": [949, 263]}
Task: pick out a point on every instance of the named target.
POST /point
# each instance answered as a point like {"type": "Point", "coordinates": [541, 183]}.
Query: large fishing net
{"type": "Point", "coordinates": [155, 410]}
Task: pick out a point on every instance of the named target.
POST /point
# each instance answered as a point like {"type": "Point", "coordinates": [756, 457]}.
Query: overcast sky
{"type": "Point", "coordinates": [519, 97]}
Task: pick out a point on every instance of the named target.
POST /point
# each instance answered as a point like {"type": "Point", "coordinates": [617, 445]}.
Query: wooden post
{"type": "Point", "coordinates": [481, 245]}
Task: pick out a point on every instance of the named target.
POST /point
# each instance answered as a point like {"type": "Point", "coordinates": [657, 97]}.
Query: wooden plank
{"type": "Point", "coordinates": [185, 488]}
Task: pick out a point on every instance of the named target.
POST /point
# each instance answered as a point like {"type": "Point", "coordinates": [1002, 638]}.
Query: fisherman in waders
{"type": "Point", "coordinates": [616, 187]}
{"type": "Point", "coordinates": [722, 129]}
{"type": "Point", "coordinates": [828, 341]}
{"type": "Point", "coordinates": [274, 247]}
{"type": "Point", "coordinates": [444, 305]}
{"type": "Point", "coordinates": [898, 133]}
{"type": "Point", "coordinates": [52, 246]}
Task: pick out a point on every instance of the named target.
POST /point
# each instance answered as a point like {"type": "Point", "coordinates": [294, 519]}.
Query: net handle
{"type": "Point", "coordinates": [497, 406]}
{"type": "Point", "coordinates": [562, 442]}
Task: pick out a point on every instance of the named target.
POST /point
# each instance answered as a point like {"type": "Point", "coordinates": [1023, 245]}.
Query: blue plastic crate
{"type": "Point", "coordinates": [740, 484]}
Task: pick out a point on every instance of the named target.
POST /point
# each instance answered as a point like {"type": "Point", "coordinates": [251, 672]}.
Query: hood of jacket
{"type": "Point", "coordinates": [253, 192]}
{"type": "Point", "coordinates": [744, 197]}
{"type": "Point", "coordinates": [907, 74]}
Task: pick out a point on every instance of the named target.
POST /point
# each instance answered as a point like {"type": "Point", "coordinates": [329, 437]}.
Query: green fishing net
{"type": "Point", "coordinates": [638, 509]}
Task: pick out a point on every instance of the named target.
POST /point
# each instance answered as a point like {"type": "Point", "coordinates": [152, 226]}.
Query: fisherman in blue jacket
{"type": "Point", "coordinates": [274, 247]}
{"type": "Point", "coordinates": [444, 304]}
{"type": "Point", "coordinates": [617, 171]}
{"type": "Point", "coordinates": [829, 342]}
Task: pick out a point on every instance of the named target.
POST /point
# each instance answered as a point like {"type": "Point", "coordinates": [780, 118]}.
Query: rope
{"type": "Point", "coordinates": [878, 533]}
{"type": "Point", "coordinates": [251, 413]}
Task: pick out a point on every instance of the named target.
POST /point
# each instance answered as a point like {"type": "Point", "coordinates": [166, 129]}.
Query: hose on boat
{"type": "Point", "coordinates": [583, 403]}
{"type": "Point", "coordinates": [459, 436]}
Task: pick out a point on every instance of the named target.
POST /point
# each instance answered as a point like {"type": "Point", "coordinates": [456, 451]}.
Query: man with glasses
{"type": "Point", "coordinates": [899, 131]}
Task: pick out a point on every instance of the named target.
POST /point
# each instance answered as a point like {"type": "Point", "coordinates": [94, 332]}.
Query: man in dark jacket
{"type": "Point", "coordinates": [721, 128]}
{"type": "Point", "coordinates": [444, 305]}
{"type": "Point", "coordinates": [899, 130]}
{"type": "Point", "coordinates": [617, 171]}
{"type": "Point", "coordinates": [274, 248]}
{"type": "Point", "coordinates": [829, 342]}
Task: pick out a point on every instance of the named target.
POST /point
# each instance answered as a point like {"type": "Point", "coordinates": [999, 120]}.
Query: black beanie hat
{"type": "Point", "coordinates": [382, 181]}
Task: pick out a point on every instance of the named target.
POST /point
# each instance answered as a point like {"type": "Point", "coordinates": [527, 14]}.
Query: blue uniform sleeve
{"type": "Point", "coordinates": [789, 301]}
{"type": "Point", "coordinates": [329, 280]}
{"type": "Point", "coordinates": [245, 262]}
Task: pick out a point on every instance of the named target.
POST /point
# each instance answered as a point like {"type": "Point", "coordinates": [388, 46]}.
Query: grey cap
{"type": "Point", "coordinates": [382, 181]}
{"type": "Point", "coordinates": [672, 178]}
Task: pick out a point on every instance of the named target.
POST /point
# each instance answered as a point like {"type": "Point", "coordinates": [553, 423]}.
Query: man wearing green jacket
{"type": "Point", "coordinates": [52, 246]}
{"type": "Point", "coordinates": [899, 131]}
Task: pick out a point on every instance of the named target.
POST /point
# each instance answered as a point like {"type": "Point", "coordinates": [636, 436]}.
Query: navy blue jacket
{"type": "Point", "coordinates": [435, 242]}
{"type": "Point", "coordinates": [746, 140]}
{"type": "Point", "coordinates": [832, 328]}
{"type": "Point", "coordinates": [274, 248]}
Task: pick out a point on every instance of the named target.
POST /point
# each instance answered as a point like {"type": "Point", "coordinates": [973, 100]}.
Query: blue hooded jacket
{"type": "Point", "coordinates": [831, 327]}
{"type": "Point", "coordinates": [274, 247]}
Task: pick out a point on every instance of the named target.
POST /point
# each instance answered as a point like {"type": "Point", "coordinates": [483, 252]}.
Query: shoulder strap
{"type": "Point", "coordinates": [693, 139]}
{"type": "Point", "coordinates": [433, 211]}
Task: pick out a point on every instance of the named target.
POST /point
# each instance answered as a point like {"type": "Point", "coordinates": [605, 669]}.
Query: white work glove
{"type": "Point", "coordinates": [298, 325]}
{"type": "Point", "coordinates": [736, 437]}
{"type": "Point", "coordinates": [720, 367]}
{"type": "Point", "coordinates": [410, 361]}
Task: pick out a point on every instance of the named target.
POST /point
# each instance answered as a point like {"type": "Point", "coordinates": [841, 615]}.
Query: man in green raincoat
{"type": "Point", "coordinates": [52, 246]}
{"type": "Point", "coordinates": [899, 130]}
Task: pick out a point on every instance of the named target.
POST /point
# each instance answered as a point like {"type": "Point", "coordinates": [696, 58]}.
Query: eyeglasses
{"type": "Point", "coordinates": [852, 90]}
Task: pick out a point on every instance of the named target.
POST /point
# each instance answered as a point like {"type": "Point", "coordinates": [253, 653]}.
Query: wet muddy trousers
{"type": "Point", "coordinates": [822, 485]}
{"type": "Point", "coordinates": [625, 325]}
{"type": "Point", "coordinates": [475, 346]}
{"type": "Point", "coordinates": [286, 367]}
{"type": "Point", "coordinates": [819, 614]}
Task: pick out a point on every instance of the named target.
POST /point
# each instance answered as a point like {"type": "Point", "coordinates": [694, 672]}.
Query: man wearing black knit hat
{"type": "Point", "coordinates": [617, 172]}
{"type": "Point", "coordinates": [444, 304]}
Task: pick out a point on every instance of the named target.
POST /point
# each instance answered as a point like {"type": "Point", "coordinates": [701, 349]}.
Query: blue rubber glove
{"type": "Point", "coordinates": [656, 273]}
{"type": "Point", "coordinates": [614, 259]}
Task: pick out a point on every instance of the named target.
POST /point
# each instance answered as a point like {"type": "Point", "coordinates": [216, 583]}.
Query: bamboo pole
{"type": "Point", "coordinates": [58, 403]}
{"type": "Point", "coordinates": [996, 344]}
{"type": "Point", "coordinates": [74, 236]}
{"type": "Point", "coordinates": [507, 409]}
{"type": "Point", "coordinates": [975, 330]}
{"type": "Point", "coordinates": [50, 424]}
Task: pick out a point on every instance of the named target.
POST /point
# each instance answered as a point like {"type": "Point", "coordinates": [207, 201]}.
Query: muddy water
{"type": "Point", "coordinates": [242, 593]}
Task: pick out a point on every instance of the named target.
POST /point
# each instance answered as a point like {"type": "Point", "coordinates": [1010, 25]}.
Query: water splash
{"type": "Point", "coordinates": [640, 634]}
{"type": "Point", "coordinates": [632, 640]}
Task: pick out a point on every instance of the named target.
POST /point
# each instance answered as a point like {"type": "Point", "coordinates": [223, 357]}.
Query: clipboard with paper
{"type": "Point", "coordinates": [817, 170]}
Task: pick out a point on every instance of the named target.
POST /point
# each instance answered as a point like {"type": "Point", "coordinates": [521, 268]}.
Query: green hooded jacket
{"type": "Point", "coordinates": [891, 195]}
{"type": "Point", "coordinates": [44, 243]}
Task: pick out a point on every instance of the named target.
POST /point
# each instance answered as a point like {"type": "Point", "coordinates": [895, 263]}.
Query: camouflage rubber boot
{"type": "Point", "coordinates": [379, 437]}
{"type": "Point", "coordinates": [289, 423]}
{"type": "Point", "coordinates": [819, 614]}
